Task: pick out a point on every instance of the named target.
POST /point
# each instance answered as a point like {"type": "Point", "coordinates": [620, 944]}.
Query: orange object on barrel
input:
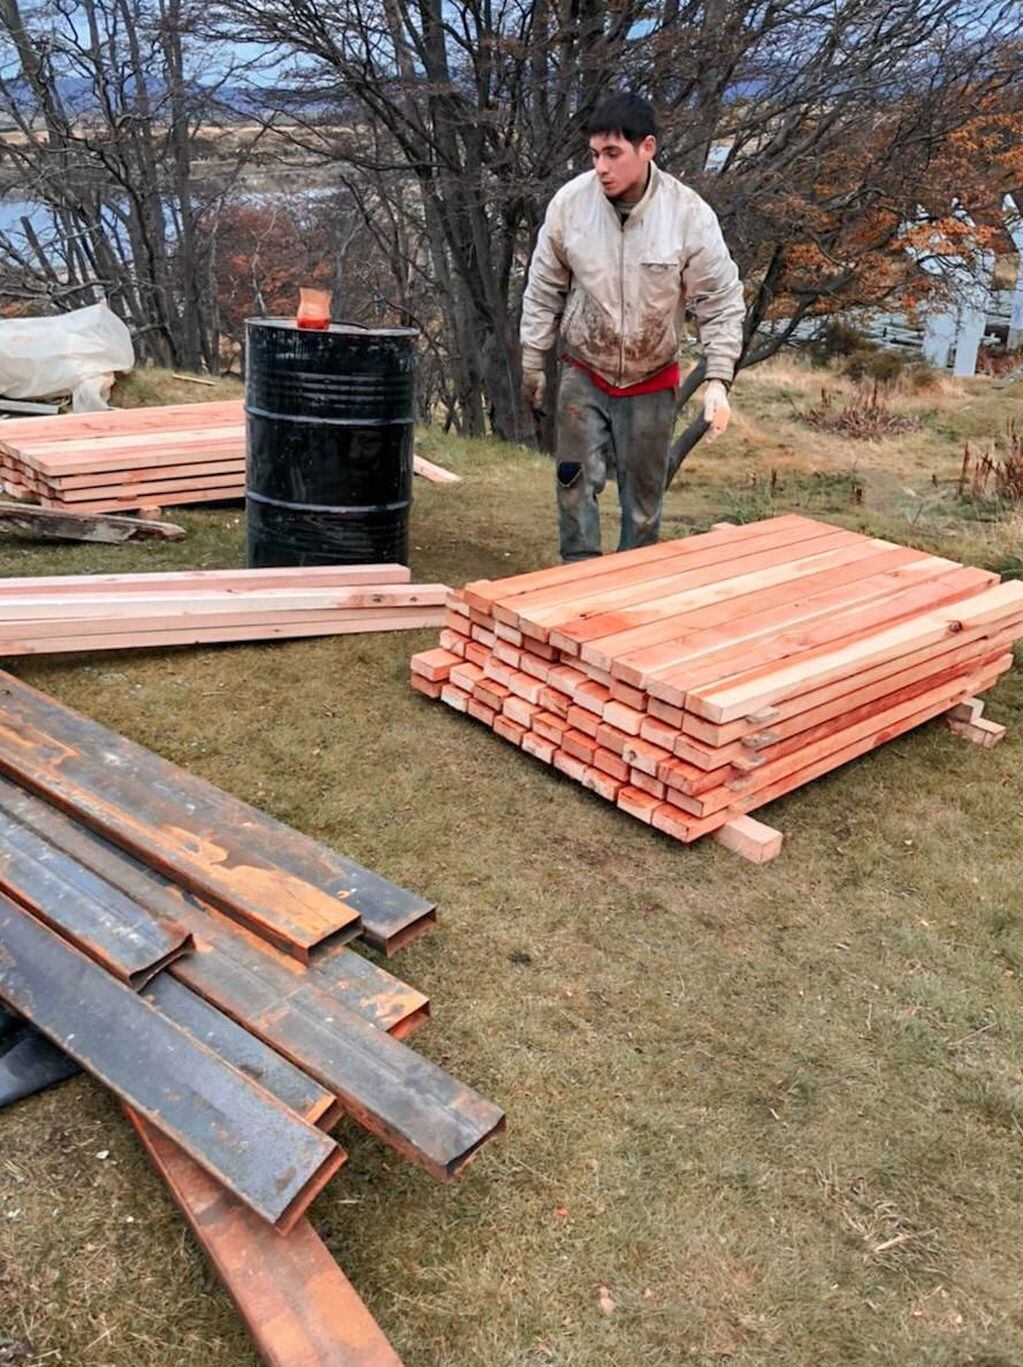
{"type": "Point", "coordinates": [313, 309]}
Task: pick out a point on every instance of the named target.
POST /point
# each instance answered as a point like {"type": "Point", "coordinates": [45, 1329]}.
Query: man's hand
{"type": "Point", "coordinates": [716, 408]}
{"type": "Point", "coordinates": [534, 388]}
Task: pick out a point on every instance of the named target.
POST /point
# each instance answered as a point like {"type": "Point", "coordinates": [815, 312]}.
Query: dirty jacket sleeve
{"type": "Point", "coordinates": [544, 298]}
{"type": "Point", "coordinates": [714, 295]}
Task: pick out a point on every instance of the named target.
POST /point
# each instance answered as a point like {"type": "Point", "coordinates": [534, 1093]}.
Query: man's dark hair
{"type": "Point", "coordinates": [629, 116]}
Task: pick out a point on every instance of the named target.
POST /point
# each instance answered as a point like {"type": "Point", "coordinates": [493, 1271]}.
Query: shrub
{"type": "Point", "coordinates": [864, 417]}
{"type": "Point", "coordinates": [837, 338]}
{"type": "Point", "coordinates": [874, 363]}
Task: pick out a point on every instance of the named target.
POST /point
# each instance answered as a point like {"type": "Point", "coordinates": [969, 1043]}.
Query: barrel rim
{"type": "Point", "coordinates": [335, 329]}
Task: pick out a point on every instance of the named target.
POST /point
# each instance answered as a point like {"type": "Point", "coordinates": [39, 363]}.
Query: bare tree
{"type": "Point", "coordinates": [109, 100]}
{"type": "Point", "coordinates": [825, 119]}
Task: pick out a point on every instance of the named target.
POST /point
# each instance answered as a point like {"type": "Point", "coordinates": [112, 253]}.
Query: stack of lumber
{"type": "Point", "coordinates": [135, 457]}
{"type": "Point", "coordinates": [117, 611]}
{"type": "Point", "coordinates": [194, 955]}
{"type": "Point", "coordinates": [693, 681]}
{"type": "Point", "coordinates": [127, 457]}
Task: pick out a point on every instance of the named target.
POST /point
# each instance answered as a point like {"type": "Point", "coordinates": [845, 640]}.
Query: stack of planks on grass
{"type": "Point", "coordinates": [127, 458]}
{"type": "Point", "coordinates": [253, 1024]}
{"type": "Point", "coordinates": [693, 681]}
{"type": "Point", "coordinates": [119, 611]}
{"type": "Point", "coordinates": [135, 457]}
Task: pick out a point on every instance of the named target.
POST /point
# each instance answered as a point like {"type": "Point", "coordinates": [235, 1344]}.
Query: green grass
{"type": "Point", "coordinates": [777, 1112]}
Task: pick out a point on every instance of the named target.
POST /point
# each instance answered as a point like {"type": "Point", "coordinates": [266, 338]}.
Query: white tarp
{"type": "Point", "coordinates": [79, 352]}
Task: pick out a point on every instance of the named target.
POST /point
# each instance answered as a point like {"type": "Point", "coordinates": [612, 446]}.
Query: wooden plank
{"type": "Point", "coordinates": [70, 526]}
{"type": "Point", "coordinates": [176, 606]}
{"type": "Point", "coordinates": [716, 735]}
{"type": "Point", "coordinates": [794, 753]}
{"type": "Point", "coordinates": [57, 456]}
{"type": "Point", "coordinates": [154, 418]}
{"type": "Point", "coordinates": [295, 1302]}
{"type": "Point", "coordinates": [632, 656]}
{"type": "Point", "coordinates": [730, 662]}
{"type": "Point", "coordinates": [268, 1157]}
{"type": "Point", "coordinates": [745, 577]}
{"type": "Point", "coordinates": [190, 581]}
{"type": "Point", "coordinates": [837, 699]}
{"type": "Point", "coordinates": [100, 481]}
{"type": "Point", "coordinates": [436, 474]}
{"type": "Point", "coordinates": [746, 802]}
{"type": "Point", "coordinates": [27, 406]}
{"type": "Point", "coordinates": [998, 607]}
{"type": "Point", "coordinates": [980, 732]}
{"type": "Point", "coordinates": [229, 485]}
{"type": "Point", "coordinates": [750, 839]}
{"type": "Point", "coordinates": [409, 619]}
{"type": "Point", "coordinates": [690, 566]}
{"type": "Point", "coordinates": [484, 593]}
{"type": "Point", "coordinates": [150, 500]}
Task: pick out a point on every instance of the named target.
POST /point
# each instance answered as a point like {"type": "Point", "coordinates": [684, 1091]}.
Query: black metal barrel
{"type": "Point", "coordinates": [330, 426]}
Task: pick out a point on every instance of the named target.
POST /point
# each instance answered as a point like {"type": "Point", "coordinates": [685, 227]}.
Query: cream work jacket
{"type": "Point", "coordinates": [619, 292]}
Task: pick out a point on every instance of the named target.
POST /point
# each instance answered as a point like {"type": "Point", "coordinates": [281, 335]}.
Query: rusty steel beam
{"type": "Point", "coordinates": [283, 885]}
{"type": "Point", "coordinates": [235, 1045]}
{"type": "Point", "coordinates": [97, 918]}
{"type": "Point", "coordinates": [270, 1158]}
{"type": "Point", "coordinates": [242, 959]}
{"type": "Point", "coordinates": [298, 1306]}
{"type": "Point", "coordinates": [406, 1100]}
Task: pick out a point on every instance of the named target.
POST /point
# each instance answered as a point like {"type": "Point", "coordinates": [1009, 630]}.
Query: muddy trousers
{"type": "Point", "coordinates": [595, 435]}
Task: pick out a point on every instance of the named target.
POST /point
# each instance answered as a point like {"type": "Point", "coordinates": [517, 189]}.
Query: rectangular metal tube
{"type": "Point", "coordinates": [269, 1157]}
{"type": "Point", "coordinates": [285, 886]}
{"type": "Point", "coordinates": [235, 953]}
{"type": "Point", "coordinates": [9, 1022]}
{"type": "Point", "coordinates": [96, 918]}
{"type": "Point", "coordinates": [412, 1104]}
{"type": "Point", "coordinates": [242, 1050]}
{"type": "Point", "coordinates": [294, 1300]}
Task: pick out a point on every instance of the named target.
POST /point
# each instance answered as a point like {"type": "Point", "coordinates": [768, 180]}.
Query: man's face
{"type": "Point", "coordinates": [620, 166]}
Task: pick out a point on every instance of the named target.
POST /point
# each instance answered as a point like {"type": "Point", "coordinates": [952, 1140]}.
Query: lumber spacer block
{"type": "Point", "coordinates": [965, 720]}
{"type": "Point", "coordinates": [751, 839]}
{"type": "Point", "coordinates": [981, 732]}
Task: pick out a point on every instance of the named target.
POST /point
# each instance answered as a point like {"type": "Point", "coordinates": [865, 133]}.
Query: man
{"type": "Point", "coordinates": [623, 250]}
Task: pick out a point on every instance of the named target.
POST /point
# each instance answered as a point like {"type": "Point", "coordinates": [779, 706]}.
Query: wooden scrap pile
{"type": "Point", "coordinates": [135, 457]}
{"type": "Point", "coordinates": [693, 681]}
{"type": "Point", "coordinates": [193, 955]}
{"type": "Point", "coordinates": [117, 611]}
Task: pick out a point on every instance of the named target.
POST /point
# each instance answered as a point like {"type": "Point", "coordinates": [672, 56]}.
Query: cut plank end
{"type": "Point", "coordinates": [750, 839]}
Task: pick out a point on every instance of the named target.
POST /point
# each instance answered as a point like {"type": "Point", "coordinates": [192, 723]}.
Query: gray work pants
{"type": "Point", "coordinates": [596, 434]}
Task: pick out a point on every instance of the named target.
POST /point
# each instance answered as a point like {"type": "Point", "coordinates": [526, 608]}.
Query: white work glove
{"type": "Point", "coordinates": [534, 388]}
{"type": "Point", "coordinates": [716, 408]}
